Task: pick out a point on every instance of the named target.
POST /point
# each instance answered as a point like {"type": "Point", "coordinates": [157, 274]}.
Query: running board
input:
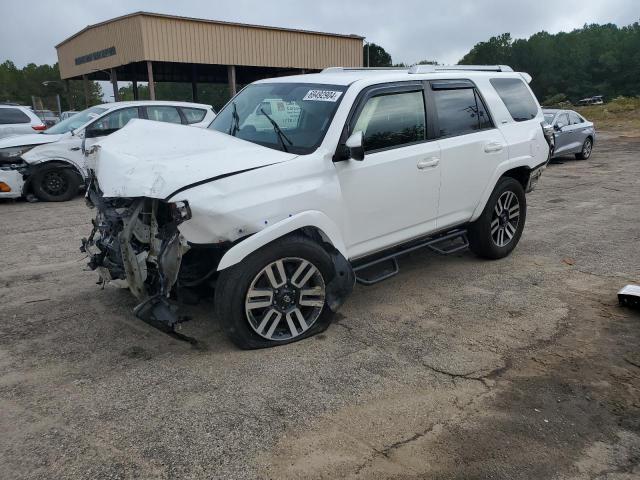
{"type": "Point", "coordinates": [451, 242]}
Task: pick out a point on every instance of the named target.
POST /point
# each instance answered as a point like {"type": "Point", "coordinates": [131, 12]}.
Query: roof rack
{"type": "Point", "coordinates": [425, 68]}
{"type": "Point", "coordinates": [358, 69]}
{"type": "Point", "coordinates": [445, 68]}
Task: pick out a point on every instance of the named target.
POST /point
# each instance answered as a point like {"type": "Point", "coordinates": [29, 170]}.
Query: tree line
{"type": "Point", "coordinates": [18, 85]}
{"type": "Point", "coordinates": [593, 60]}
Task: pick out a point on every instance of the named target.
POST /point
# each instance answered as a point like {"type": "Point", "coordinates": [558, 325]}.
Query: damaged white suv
{"type": "Point", "coordinates": [305, 184]}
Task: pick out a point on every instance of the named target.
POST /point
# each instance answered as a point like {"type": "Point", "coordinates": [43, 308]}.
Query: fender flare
{"type": "Point", "coordinates": [498, 173]}
{"type": "Point", "coordinates": [60, 162]}
{"type": "Point", "coordinates": [310, 218]}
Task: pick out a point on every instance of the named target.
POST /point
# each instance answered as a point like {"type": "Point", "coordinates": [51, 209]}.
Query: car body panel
{"type": "Point", "coordinates": [14, 180]}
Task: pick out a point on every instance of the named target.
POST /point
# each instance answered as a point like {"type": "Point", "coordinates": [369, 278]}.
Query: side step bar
{"type": "Point", "coordinates": [451, 242]}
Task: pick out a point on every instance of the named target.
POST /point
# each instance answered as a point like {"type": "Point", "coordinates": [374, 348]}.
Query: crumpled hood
{"type": "Point", "coordinates": [154, 159]}
{"type": "Point", "coordinates": [29, 139]}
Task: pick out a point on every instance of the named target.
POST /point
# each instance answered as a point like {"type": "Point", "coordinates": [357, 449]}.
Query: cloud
{"type": "Point", "coordinates": [410, 30]}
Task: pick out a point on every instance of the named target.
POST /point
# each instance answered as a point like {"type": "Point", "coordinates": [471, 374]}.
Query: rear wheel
{"type": "Point", "coordinates": [277, 295]}
{"type": "Point", "coordinates": [585, 153]}
{"type": "Point", "coordinates": [55, 184]}
{"type": "Point", "coordinates": [497, 230]}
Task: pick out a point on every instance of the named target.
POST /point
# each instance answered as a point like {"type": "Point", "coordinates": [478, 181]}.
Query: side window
{"type": "Point", "coordinates": [193, 115]}
{"type": "Point", "coordinates": [392, 120]}
{"type": "Point", "coordinates": [115, 120]}
{"type": "Point", "coordinates": [13, 115]}
{"type": "Point", "coordinates": [516, 97]}
{"type": "Point", "coordinates": [460, 111]}
{"type": "Point", "coordinates": [563, 120]}
{"type": "Point", "coordinates": [575, 118]}
{"type": "Point", "coordinates": [163, 113]}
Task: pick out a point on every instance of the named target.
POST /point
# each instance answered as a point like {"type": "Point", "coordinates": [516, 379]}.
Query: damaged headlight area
{"type": "Point", "coordinates": [136, 242]}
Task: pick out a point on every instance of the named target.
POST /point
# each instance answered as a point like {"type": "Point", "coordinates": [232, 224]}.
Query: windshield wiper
{"type": "Point", "coordinates": [281, 136]}
{"type": "Point", "coordinates": [235, 125]}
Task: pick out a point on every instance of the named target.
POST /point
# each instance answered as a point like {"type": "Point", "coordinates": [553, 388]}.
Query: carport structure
{"type": "Point", "coordinates": [151, 47]}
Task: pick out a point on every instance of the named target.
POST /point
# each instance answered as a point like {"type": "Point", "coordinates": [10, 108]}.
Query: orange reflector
{"type": "Point", "coordinates": [4, 188]}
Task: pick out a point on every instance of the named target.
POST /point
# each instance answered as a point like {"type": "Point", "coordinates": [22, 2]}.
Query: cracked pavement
{"type": "Point", "coordinates": [458, 368]}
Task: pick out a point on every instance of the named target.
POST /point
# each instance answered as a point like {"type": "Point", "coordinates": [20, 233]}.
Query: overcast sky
{"type": "Point", "coordinates": [409, 30]}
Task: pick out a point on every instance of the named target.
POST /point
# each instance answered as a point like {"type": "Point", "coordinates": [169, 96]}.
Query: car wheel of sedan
{"type": "Point", "coordinates": [277, 295]}
{"type": "Point", "coordinates": [497, 230]}
{"type": "Point", "coordinates": [55, 184]}
{"type": "Point", "coordinates": [585, 153]}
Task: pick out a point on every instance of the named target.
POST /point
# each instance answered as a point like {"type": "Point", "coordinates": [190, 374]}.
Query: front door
{"type": "Point", "coordinates": [392, 195]}
{"type": "Point", "coordinates": [563, 134]}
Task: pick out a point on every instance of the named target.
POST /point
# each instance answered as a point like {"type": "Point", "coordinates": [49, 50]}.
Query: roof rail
{"type": "Point", "coordinates": [357, 69]}
{"type": "Point", "coordinates": [444, 68]}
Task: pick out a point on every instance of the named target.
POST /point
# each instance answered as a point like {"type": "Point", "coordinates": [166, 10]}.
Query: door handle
{"type": "Point", "coordinates": [493, 147]}
{"type": "Point", "coordinates": [428, 163]}
{"type": "Point", "coordinates": [74, 149]}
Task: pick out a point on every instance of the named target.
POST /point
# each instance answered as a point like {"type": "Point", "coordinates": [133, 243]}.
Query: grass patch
{"type": "Point", "coordinates": [621, 113]}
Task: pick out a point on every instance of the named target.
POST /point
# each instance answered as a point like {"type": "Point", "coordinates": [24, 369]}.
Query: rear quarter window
{"type": "Point", "coordinates": [13, 115]}
{"type": "Point", "coordinates": [516, 97]}
{"type": "Point", "coordinates": [193, 115]}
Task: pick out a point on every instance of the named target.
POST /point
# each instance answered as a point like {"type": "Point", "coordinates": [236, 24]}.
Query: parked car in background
{"type": "Point", "coordinates": [17, 120]}
{"type": "Point", "coordinates": [52, 165]}
{"type": "Point", "coordinates": [305, 183]}
{"type": "Point", "coordinates": [67, 114]}
{"type": "Point", "coordinates": [573, 133]}
{"type": "Point", "coordinates": [48, 117]}
{"type": "Point", "coordinates": [595, 100]}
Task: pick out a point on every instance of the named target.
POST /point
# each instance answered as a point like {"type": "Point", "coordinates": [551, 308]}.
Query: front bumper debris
{"type": "Point", "coordinates": [136, 242]}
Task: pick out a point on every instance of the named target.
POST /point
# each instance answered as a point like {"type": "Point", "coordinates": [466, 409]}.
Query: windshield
{"type": "Point", "coordinates": [292, 117]}
{"type": "Point", "coordinates": [78, 120]}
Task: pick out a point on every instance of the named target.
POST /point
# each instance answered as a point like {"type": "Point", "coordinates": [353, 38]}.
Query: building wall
{"type": "Point", "coordinates": [124, 34]}
{"type": "Point", "coordinates": [169, 39]}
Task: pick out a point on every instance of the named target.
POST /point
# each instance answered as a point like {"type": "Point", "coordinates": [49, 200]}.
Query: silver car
{"type": "Point", "coordinates": [573, 133]}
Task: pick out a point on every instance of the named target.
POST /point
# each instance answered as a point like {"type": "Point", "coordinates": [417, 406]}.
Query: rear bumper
{"type": "Point", "coordinates": [12, 180]}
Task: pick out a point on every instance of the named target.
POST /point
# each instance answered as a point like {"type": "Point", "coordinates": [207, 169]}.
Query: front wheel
{"type": "Point", "coordinates": [499, 227]}
{"type": "Point", "coordinates": [277, 295]}
{"type": "Point", "coordinates": [585, 153]}
{"type": "Point", "coordinates": [55, 184]}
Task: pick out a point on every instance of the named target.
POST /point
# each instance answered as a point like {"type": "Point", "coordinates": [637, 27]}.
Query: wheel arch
{"type": "Point", "coordinates": [38, 167]}
{"type": "Point", "coordinates": [313, 224]}
{"type": "Point", "coordinates": [521, 173]}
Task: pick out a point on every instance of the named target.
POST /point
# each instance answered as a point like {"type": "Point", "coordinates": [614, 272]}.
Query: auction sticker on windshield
{"type": "Point", "coordinates": [322, 95]}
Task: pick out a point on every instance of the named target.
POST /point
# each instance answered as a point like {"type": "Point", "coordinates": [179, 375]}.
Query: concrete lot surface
{"type": "Point", "coordinates": [458, 368]}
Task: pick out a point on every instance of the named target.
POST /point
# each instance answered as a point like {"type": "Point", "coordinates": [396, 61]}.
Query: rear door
{"type": "Point", "coordinates": [470, 148]}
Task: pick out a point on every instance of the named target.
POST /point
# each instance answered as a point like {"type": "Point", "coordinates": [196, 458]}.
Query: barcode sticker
{"type": "Point", "coordinates": [322, 95]}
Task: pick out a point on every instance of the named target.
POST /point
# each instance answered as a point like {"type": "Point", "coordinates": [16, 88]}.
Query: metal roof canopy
{"type": "Point", "coordinates": [127, 42]}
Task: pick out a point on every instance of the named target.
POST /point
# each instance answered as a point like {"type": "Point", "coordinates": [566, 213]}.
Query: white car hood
{"type": "Point", "coordinates": [29, 139]}
{"type": "Point", "coordinates": [153, 159]}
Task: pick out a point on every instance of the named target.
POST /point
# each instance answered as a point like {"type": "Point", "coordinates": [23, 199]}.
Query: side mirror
{"type": "Point", "coordinates": [355, 146]}
{"type": "Point", "coordinates": [90, 133]}
{"type": "Point", "coordinates": [557, 127]}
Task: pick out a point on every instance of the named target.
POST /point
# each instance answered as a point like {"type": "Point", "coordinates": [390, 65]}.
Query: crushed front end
{"type": "Point", "coordinates": [136, 241]}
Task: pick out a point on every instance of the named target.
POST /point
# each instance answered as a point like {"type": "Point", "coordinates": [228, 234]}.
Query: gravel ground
{"type": "Point", "coordinates": [458, 368]}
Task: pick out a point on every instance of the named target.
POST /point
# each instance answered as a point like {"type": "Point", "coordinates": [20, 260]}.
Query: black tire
{"type": "Point", "coordinates": [587, 148]}
{"type": "Point", "coordinates": [234, 282]}
{"type": "Point", "coordinates": [55, 184]}
{"type": "Point", "coordinates": [481, 238]}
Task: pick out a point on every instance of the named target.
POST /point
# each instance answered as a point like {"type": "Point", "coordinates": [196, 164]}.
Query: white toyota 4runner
{"type": "Point", "coordinates": [304, 185]}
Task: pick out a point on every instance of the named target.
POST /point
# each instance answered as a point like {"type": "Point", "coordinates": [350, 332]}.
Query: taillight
{"type": "Point", "coordinates": [39, 128]}
{"type": "Point", "coordinates": [549, 135]}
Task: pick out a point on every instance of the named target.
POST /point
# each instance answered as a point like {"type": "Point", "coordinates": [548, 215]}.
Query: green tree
{"type": "Point", "coordinates": [375, 56]}
{"type": "Point", "coordinates": [42, 81]}
{"type": "Point", "coordinates": [592, 60]}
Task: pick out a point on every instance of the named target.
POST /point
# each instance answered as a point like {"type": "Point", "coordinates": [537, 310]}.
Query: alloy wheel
{"type": "Point", "coordinates": [505, 218]}
{"type": "Point", "coordinates": [285, 299]}
{"type": "Point", "coordinates": [586, 148]}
